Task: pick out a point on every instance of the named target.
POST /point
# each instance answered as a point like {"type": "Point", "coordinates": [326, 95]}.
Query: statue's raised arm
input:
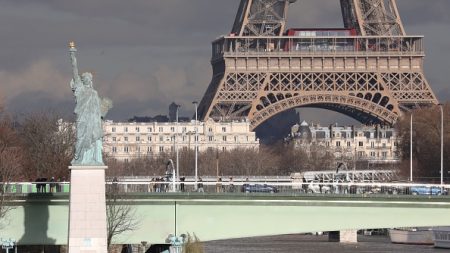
{"type": "Point", "coordinates": [76, 81]}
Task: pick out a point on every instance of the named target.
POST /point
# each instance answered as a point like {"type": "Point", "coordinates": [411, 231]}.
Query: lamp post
{"type": "Point", "coordinates": [411, 150]}
{"type": "Point", "coordinates": [442, 143]}
{"type": "Point", "coordinates": [176, 146]}
{"type": "Point", "coordinates": [196, 145]}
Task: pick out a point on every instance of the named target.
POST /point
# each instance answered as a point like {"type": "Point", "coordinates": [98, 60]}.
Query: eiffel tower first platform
{"type": "Point", "coordinates": [369, 69]}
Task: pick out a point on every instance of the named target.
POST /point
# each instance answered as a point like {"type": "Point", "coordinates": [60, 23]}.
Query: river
{"type": "Point", "coordinates": [312, 243]}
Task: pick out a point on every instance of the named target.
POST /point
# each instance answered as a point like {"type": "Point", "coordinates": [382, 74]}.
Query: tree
{"type": "Point", "coordinates": [48, 144]}
{"type": "Point", "coordinates": [10, 161]}
{"type": "Point", "coordinates": [193, 245]}
{"type": "Point", "coordinates": [120, 217]}
{"type": "Point", "coordinates": [426, 143]}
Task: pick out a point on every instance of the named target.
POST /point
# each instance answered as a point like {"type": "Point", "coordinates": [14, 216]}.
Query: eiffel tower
{"type": "Point", "coordinates": [369, 69]}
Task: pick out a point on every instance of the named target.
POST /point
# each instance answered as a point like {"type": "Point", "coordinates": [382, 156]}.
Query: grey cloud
{"type": "Point", "coordinates": [148, 53]}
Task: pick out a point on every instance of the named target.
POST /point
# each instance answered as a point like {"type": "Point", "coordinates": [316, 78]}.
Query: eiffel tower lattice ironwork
{"type": "Point", "coordinates": [370, 70]}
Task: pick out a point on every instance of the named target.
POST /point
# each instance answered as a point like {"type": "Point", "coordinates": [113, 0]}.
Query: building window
{"type": "Point", "coordinates": [172, 129]}
{"type": "Point", "coordinates": [338, 144]}
{"type": "Point", "coordinates": [184, 138]}
{"type": "Point", "coordinates": [384, 154]}
{"type": "Point", "coordinates": [114, 138]}
{"type": "Point", "coordinates": [161, 149]}
{"type": "Point", "coordinates": [149, 149]}
{"type": "Point", "coordinates": [224, 129]}
{"type": "Point", "coordinates": [113, 129]}
{"type": "Point", "coordinates": [224, 138]}
{"type": "Point", "coordinates": [395, 144]}
{"type": "Point", "coordinates": [184, 129]}
{"type": "Point", "coordinates": [384, 145]}
{"type": "Point", "coordinates": [149, 138]}
{"type": "Point", "coordinates": [161, 138]}
{"type": "Point", "coordinates": [137, 129]}
{"type": "Point", "coordinates": [114, 149]}
{"type": "Point", "coordinates": [126, 160]}
{"type": "Point", "coordinates": [372, 154]}
{"type": "Point", "coordinates": [126, 129]}
{"type": "Point", "coordinates": [361, 144]}
{"type": "Point", "coordinates": [125, 138]}
{"type": "Point", "coordinates": [125, 149]}
{"type": "Point", "coordinates": [210, 129]}
{"type": "Point", "coordinates": [224, 149]}
{"type": "Point", "coordinates": [372, 144]}
{"type": "Point", "coordinates": [235, 139]}
{"type": "Point", "coordinates": [149, 129]}
{"type": "Point", "coordinates": [327, 144]}
{"type": "Point", "coordinates": [349, 144]}
{"type": "Point", "coordinates": [160, 129]}
{"type": "Point", "coordinates": [210, 138]}
{"type": "Point", "coordinates": [138, 138]}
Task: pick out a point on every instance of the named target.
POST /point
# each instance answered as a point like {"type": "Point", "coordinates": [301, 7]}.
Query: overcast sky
{"type": "Point", "coordinates": [147, 53]}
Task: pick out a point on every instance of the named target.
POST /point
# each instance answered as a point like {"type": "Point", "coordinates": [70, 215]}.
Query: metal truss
{"type": "Point", "coordinates": [261, 17]}
{"type": "Point", "coordinates": [374, 77]}
{"type": "Point", "coordinates": [372, 17]}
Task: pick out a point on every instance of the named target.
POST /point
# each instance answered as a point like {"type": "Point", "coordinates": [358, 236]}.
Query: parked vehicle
{"type": "Point", "coordinates": [425, 190]}
{"type": "Point", "coordinates": [248, 188]}
{"type": "Point", "coordinates": [316, 188]}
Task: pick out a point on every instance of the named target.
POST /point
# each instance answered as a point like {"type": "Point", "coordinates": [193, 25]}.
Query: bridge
{"type": "Point", "coordinates": [218, 213]}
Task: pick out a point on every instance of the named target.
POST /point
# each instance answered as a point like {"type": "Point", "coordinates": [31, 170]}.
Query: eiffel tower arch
{"type": "Point", "coordinates": [369, 70]}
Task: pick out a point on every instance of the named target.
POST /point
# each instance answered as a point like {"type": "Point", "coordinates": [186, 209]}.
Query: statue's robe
{"type": "Point", "coordinates": [88, 149]}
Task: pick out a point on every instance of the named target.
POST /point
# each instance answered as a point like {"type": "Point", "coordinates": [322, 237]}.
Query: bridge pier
{"type": "Point", "coordinates": [343, 236]}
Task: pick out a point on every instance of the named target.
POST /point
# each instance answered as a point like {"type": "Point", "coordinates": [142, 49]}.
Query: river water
{"type": "Point", "coordinates": [312, 243]}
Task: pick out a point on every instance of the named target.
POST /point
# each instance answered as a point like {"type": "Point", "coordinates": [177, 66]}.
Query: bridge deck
{"type": "Point", "coordinates": [43, 218]}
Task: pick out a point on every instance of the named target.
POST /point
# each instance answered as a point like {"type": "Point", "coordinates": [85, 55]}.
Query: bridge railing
{"type": "Point", "coordinates": [280, 188]}
{"type": "Point", "coordinates": [236, 46]}
{"type": "Point", "coordinates": [289, 188]}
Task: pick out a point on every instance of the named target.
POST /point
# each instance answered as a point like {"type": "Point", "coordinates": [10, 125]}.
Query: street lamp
{"type": "Point", "coordinates": [442, 143]}
{"type": "Point", "coordinates": [176, 145]}
{"type": "Point", "coordinates": [411, 150]}
{"type": "Point", "coordinates": [196, 145]}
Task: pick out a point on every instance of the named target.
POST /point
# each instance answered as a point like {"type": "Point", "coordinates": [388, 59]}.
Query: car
{"type": "Point", "coordinates": [427, 190]}
{"type": "Point", "coordinates": [316, 188]}
{"type": "Point", "coordinates": [248, 188]}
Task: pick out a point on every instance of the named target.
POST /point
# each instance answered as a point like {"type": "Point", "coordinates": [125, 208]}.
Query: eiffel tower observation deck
{"type": "Point", "coordinates": [369, 69]}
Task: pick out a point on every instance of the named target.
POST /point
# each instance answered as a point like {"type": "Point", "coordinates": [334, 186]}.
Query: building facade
{"type": "Point", "coordinates": [125, 141]}
{"type": "Point", "coordinates": [375, 144]}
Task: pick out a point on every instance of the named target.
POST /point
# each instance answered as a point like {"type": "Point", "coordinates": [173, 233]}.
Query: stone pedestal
{"type": "Point", "coordinates": [87, 213]}
{"type": "Point", "coordinates": [343, 236]}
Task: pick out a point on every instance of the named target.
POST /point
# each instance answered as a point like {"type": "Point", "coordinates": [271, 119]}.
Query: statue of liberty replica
{"type": "Point", "coordinates": [89, 109]}
{"type": "Point", "coordinates": [87, 208]}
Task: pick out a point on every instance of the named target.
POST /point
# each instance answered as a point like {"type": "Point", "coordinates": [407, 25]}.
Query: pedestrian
{"type": "Point", "coordinates": [52, 185]}
{"type": "Point", "coordinates": [58, 185]}
{"type": "Point", "coordinates": [115, 184]}
{"type": "Point", "coordinates": [182, 179]}
{"type": "Point", "coordinates": [231, 185]}
{"type": "Point", "coordinates": [151, 185]}
{"type": "Point", "coordinates": [200, 185]}
{"type": "Point", "coordinates": [219, 186]}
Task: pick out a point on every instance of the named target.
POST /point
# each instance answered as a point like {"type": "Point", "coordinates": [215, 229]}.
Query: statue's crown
{"type": "Point", "coordinates": [71, 45]}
